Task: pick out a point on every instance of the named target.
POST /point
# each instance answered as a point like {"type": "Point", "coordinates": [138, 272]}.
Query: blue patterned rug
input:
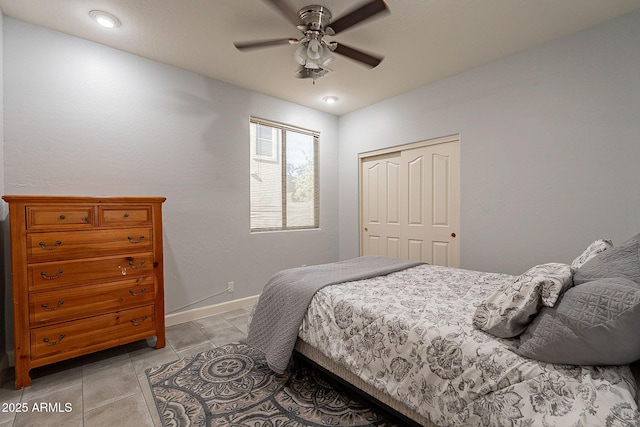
{"type": "Point", "coordinates": [233, 386]}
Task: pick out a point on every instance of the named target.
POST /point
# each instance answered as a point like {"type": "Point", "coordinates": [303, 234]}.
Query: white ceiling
{"type": "Point", "coordinates": [422, 40]}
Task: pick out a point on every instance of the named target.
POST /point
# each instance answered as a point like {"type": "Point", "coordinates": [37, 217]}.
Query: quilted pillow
{"type": "Point", "coordinates": [595, 323]}
{"type": "Point", "coordinates": [620, 261]}
{"type": "Point", "coordinates": [592, 250]}
{"type": "Point", "coordinates": [509, 310]}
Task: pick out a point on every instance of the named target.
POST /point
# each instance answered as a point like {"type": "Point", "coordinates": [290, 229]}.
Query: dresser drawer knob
{"type": "Point", "coordinates": [126, 215]}
{"type": "Point", "coordinates": [62, 217]}
{"type": "Point", "coordinates": [137, 294]}
{"type": "Point", "coordinates": [142, 262]}
{"type": "Point", "coordinates": [44, 275]}
{"type": "Point", "coordinates": [46, 340]}
{"type": "Point", "coordinates": [47, 308]}
{"type": "Point", "coordinates": [44, 246]}
{"type": "Point", "coordinates": [132, 240]}
{"type": "Point", "coordinates": [135, 322]}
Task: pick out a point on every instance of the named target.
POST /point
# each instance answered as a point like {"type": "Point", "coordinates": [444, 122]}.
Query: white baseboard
{"type": "Point", "coordinates": [210, 310]}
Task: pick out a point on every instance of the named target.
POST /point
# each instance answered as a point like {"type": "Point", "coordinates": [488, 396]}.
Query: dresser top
{"type": "Point", "coordinates": [82, 199]}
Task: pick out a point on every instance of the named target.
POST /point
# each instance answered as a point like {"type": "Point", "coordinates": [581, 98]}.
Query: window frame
{"type": "Point", "coordinates": [280, 150]}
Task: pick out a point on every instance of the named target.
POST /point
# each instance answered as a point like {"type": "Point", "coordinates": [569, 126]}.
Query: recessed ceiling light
{"type": "Point", "coordinates": [105, 19]}
{"type": "Point", "coordinates": [330, 99]}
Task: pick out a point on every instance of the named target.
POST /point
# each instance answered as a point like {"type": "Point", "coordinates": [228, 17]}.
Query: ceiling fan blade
{"type": "Point", "coordinates": [360, 14]}
{"type": "Point", "coordinates": [286, 10]}
{"type": "Point", "coordinates": [358, 55]}
{"type": "Point", "coordinates": [263, 43]}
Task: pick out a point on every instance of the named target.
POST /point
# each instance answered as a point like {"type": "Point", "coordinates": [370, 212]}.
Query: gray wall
{"type": "Point", "coordinates": [5, 315]}
{"type": "Point", "coordinates": [550, 145]}
{"type": "Point", "coordinates": [85, 119]}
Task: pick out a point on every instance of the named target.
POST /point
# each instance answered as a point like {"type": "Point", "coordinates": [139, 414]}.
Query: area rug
{"type": "Point", "coordinates": [233, 386]}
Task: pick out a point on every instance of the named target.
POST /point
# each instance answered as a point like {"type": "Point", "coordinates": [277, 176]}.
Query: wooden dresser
{"type": "Point", "coordinates": [87, 275]}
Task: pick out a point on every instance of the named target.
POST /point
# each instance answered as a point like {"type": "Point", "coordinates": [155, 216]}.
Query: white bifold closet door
{"type": "Point", "coordinates": [410, 202]}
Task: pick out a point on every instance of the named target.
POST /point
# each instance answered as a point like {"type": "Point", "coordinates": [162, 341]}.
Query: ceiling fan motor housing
{"type": "Point", "coordinates": [315, 17]}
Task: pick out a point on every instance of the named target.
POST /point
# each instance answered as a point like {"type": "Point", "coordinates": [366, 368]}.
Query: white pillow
{"type": "Point", "coordinates": [509, 310]}
{"type": "Point", "coordinates": [592, 250]}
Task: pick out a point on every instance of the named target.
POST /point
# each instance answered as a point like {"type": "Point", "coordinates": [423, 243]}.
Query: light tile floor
{"type": "Point", "coordinates": [110, 388]}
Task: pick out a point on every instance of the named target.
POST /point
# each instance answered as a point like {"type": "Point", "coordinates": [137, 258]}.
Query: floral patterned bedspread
{"type": "Point", "coordinates": [410, 334]}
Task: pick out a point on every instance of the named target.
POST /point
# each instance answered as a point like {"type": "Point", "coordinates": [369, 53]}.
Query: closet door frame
{"type": "Point", "coordinates": [444, 245]}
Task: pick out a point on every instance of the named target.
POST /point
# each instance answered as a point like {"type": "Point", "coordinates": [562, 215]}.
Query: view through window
{"type": "Point", "coordinates": [284, 177]}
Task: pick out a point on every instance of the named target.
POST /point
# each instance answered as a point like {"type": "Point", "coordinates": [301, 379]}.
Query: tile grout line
{"type": "Point", "coordinates": [138, 377]}
{"type": "Point", "coordinates": [82, 395]}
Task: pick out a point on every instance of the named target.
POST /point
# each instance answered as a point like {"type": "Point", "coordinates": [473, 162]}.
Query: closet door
{"type": "Point", "coordinates": [430, 213]}
{"type": "Point", "coordinates": [410, 202]}
{"type": "Point", "coordinates": [380, 205]}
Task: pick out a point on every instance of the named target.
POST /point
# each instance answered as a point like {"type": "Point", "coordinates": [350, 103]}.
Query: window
{"type": "Point", "coordinates": [284, 177]}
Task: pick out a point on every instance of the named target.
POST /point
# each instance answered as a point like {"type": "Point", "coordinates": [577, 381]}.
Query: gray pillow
{"type": "Point", "coordinates": [595, 323]}
{"type": "Point", "coordinates": [619, 261]}
{"type": "Point", "coordinates": [636, 237]}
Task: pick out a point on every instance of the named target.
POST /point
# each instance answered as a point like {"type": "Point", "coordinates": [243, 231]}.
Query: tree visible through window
{"type": "Point", "coordinates": [284, 177]}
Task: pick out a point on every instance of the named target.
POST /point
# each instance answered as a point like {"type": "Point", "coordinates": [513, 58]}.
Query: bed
{"type": "Point", "coordinates": [422, 340]}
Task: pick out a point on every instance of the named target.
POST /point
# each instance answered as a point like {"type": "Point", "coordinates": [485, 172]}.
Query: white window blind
{"type": "Point", "coordinates": [284, 177]}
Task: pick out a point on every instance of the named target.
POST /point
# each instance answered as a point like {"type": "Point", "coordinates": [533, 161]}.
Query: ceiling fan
{"type": "Point", "coordinates": [314, 53]}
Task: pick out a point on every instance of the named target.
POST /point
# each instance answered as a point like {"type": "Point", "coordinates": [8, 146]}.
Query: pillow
{"type": "Point", "coordinates": [592, 250]}
{"type": "Point", "coordinates": [509, 310]}
{"type": "Point", "coordinates": [620, 261]}
{"type": "Point", "coordinates": [636, 237]}
{"type": "Point", "coordinates": [595, 323]}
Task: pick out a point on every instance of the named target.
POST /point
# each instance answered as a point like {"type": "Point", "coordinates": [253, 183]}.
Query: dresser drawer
{"type": "Point", "coordinates": [42, 247]}
{"type": "Point", "coordinates": [74, 303]}
{"type": "Point", "coordinates": [124, 215]}
{"type": "Point", "coordinates": [56, 275]}
{"type": "Point", "coordinates": [59, 217]}
{"type": "Point", "coordinates": [85, 335]}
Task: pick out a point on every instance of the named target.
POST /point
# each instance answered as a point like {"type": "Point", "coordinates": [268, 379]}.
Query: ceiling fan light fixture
{"type": "Point", "coordinates": [313, 54]}
{"type": "Point", "coordinates": [300, 55]}
{"type": "Point", "coordinates": [314, 49]}
{"type": "Point", "coordinates": [312, 64]}
{"type": "Point", "coordinates": [105, 19]}
{"type": "Point", "coordinates": [326, 57]}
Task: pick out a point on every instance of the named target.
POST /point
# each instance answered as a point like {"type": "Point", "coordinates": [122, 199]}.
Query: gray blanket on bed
{"type": "Point", "coordinates": [286, 297]}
